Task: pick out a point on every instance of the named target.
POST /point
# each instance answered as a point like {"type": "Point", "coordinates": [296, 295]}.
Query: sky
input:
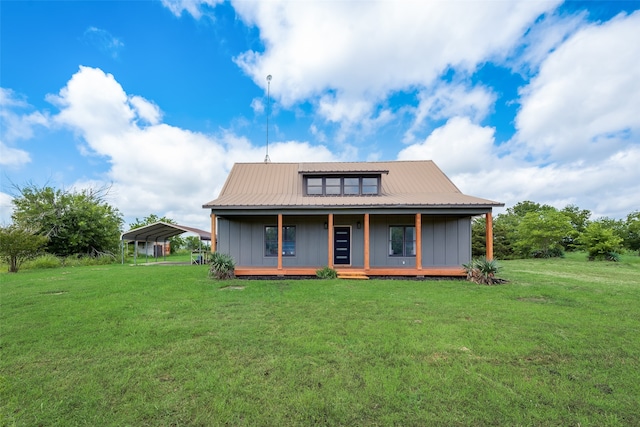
{"type": "Point", "coordinates": [513, 100]}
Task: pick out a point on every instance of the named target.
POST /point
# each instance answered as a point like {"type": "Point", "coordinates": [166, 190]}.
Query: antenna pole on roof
{"type": "Point", "coordinates": [266, 158]}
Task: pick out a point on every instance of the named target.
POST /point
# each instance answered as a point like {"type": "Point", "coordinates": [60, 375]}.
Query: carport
{"type": "Point", "coordinates": [160, 232]}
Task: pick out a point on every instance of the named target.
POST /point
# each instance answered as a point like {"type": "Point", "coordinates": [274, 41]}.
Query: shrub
{"type": "Point", "coordinates": [18, 245]}
{"type": "Point", "coordinates": [482, 271]}
{"type": "Point", "coordinates": [222, 266]}
{"type": "Point", "coordinates": [557, 252]}
{"type": "Point", "coordinates": [82, 260]}
{"type": "Point", "coordinates": [44, 261]}
{"type": "Point", "coordinates": [600, 242]}
{"type": "Point", "coordinates": [326, 273]}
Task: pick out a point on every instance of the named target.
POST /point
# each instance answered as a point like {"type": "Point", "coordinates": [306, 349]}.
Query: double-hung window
{"type": "Point", "coordinates": [288, 240]}
{"type": "Point", "coordinates": [402, 241]}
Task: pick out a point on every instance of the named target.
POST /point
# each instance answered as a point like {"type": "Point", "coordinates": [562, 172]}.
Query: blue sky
{"type": "Point", "coordinates": [157, 99]}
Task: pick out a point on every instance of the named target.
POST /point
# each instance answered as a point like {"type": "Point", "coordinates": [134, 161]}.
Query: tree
{"type": "Point", "coordinates": [540, 234]}
{"type": "Point", "coordinates": [600, 241]}
{"type": "Point", "coordinates": [175, 242]}
{"type": "Point", "coordinates": [18, 245]}
{"type": "Point", "coordinates": [194, 243]}
{"type": "Point", "coordinates": [148, 220]}
{"type": "Point", "coordinates": [478, 237]}
{"type": "Point", "coordinates": [505, 227]}
{"type": "Point", "coordinates": [632, 234]}
{"type": "Point", "coordinates": [579, 219]}
{"type": "Point", "coordinates": [76, 223]}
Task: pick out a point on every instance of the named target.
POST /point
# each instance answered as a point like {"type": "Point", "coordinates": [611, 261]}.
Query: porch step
{"type": "Point", "coordinates": [352, 274]}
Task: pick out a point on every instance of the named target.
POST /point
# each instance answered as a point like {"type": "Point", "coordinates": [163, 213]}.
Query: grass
{"type": "Point", "coordinates": [165, 346]}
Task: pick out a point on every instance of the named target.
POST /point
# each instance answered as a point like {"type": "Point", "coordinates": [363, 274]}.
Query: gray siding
{"type": "Point", "coordinates": [243, 239]}
{"type": "Point", "coordinates": [446, 240]}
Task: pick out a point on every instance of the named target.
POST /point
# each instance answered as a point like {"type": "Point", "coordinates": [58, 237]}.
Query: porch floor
{"type": "Point", "coordinates": [371, 272]}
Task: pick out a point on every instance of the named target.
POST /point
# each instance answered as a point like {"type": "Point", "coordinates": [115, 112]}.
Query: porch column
{"type": "Point", "coordinates": [279, 241]}
{"type": "Point", "coordinates": [489, 234]}
{"type": "Point", "coordinates": [213, 233]}
{"type": "Point", "coordinates": [419, 241]}
{"type": "Point", "coordinates": [330, 242]}
{"type": "Point", "coordinates": [366, 242]}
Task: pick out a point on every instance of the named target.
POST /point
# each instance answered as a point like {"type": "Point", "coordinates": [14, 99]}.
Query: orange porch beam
{"type": "Point", "coordinates": [330, 242]}
{"type": "Point", "coordinates": [489, 235]}
{"type": "Point", "coordinates": [419, 241]}
{"type": "Point", "coordinates": [279, 241]}
{"type": "Point", "coordinates": [366, 242]}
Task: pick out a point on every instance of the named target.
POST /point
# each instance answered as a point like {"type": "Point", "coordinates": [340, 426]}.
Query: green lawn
{"type": "Point", "coordinates": [164, 346]}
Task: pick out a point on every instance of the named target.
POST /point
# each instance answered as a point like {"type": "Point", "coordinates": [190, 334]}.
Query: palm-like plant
{"type": "Point", "coordinates": [482, 271]}
{"type": "Point", "coordinates": [222, 266]}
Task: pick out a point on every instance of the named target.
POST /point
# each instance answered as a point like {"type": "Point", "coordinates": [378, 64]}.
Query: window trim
{"type": "Point", "coordinates": [284, 235]}
{"type": "Point", "coordinates": [404, 241]}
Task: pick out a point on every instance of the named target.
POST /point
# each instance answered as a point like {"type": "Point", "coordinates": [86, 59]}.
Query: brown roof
{"type": "Point", "coordinates": [280, 185]}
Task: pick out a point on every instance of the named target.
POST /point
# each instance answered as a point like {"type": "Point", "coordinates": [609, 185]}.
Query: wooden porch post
{"type": "Point", "coordinates": [366, 242]}
{"type": "Point", "coordinates": [279, 241]}
{"type": "Point", "coordinates": [330, 242]}
{"type": "Point", "coordinates": [213, 233]}
{"type": "Point", "coordinates": [418, 242]}
{"type": "Point", "coordinates": [489, 234]}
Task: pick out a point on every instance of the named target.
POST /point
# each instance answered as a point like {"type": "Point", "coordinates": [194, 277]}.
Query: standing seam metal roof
{"type": "Point", "coordinates": [280, 185]}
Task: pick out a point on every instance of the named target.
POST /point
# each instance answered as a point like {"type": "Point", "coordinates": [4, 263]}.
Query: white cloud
{"type": "Point", "coordinates": [349, 56]}
{"type": "Point", "coordinates": [157, 168]}
{"type": "Point", "coordinates": [542, 38]}
{"type": "Point", "coordinates": [585, 101]}
{"type": "Point", "coordinates": [6, 208]}
{"type": "Point", "coordinates": [145, 110]}
{"type": "Point", "coordinates": [257, 105]}
{"type": "Point", "coordinates": [446, 100]}
{"type": "Point", "coordinates": [609, 187]}
{"type": "Point", "coordinates": [13, 157]}
{"type": "Point", "coordinates": [458, 146]}
{"type": "Point", "coordinates": [8, 98]}
{"type": "Point", "coordinates": [193, 7]}
{"type": "Point", "coordinates": [14, 122]}
{"type": "Point", "coordinates": [104, 41]}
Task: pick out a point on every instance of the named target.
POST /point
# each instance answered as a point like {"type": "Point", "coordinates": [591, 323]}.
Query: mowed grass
{"type": "Point", "coordinates": [165, 346]}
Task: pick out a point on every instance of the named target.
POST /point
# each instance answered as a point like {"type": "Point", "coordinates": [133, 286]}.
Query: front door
{"type": "Point", "coordinates": [342, 245]}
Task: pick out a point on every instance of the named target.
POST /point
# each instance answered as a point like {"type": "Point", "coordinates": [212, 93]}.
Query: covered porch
{"type": "Point", "coordinates": [366, 268]}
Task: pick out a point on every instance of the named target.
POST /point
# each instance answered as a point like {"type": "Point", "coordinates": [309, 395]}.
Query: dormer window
{"type": "Point", "coordinates": [342, 185]}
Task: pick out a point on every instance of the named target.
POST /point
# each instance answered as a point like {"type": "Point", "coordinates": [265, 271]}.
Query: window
{"type": "Point", "coordinates": [369, 185]}
{"type": "Point", "coordinates": [351, 186]}
{"type": "Point", "coordinates": [314, 186]}
{"type": "Point", "coordinates": [343, 186]}
{"type": "Point", "coordinates": [288, 240]}
{"type": "Point", "coordinates": [402, 241]}
{"type": "Point", "coordinates": [333, 186]}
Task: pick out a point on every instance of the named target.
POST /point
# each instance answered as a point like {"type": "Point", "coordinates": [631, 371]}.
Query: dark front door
{"type": "Point", "coordinates": [342, 245]}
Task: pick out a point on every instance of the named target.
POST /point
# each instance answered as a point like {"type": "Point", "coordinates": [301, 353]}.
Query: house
{"type": "Point", "coordinates": [397, 218]}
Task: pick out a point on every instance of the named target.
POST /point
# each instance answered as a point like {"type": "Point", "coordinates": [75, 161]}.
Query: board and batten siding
{"type": "Point", "coordinates": [446, 241]}
{"type": "Point", "coordinates": [243, 239]}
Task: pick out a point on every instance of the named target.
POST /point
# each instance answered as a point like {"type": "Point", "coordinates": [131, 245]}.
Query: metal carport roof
{"type": "Point", "coordinates": [160, 231]}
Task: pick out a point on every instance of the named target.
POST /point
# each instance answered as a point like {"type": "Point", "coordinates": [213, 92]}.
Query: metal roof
{"type": "Point", "coordinates": [160, 231]}
{"type": "Point", "coordinates": [281, 185]}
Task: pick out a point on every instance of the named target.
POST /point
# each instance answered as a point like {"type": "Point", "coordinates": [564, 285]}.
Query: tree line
{"type": "Point", "coordinates": [532, 230]}
{"type": "Point", "coordinates": [68, 223]}
{"type": "Point", "coordinates": [81, 223]}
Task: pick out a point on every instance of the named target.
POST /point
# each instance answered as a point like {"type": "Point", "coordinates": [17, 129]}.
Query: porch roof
{"type": "Point", "coordinates": [404, 184]}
